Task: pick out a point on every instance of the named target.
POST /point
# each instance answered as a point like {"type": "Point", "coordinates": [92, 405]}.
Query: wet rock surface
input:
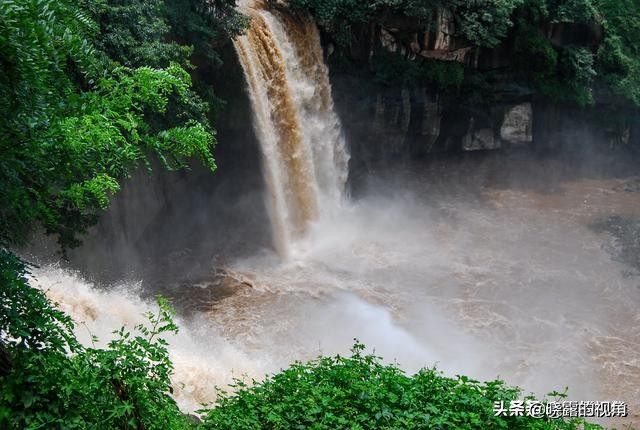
{"type": "Point", "coordinates": [517, 124]}
{"type": "Point", "coordinates": [623, 231]}
{"type": "Point", "coordinates": [200, 295]}
{"type": "Point", "coordinates": [624, 243]}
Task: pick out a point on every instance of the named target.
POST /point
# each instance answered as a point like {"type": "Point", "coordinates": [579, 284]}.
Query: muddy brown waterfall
{"type": "Point", "coordinates": [304, 155]}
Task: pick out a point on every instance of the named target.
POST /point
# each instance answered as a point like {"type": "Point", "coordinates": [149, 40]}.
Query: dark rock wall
{"type": "Point", "coordinates": [395, 122]}
{"type": "Point", "coordinates": [382, 123]}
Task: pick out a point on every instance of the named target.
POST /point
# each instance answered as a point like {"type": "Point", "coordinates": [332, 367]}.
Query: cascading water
{"type": "Point", "coordinates": [304, 155]}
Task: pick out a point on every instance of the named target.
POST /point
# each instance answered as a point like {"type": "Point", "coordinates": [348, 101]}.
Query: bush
{"type": "Point", "coordinates": [48, 380]}
{"type": "Point", "coordinates": [73, 124]}
{"type": "Point", "coordinates": [534, 57]}
{"type": "Point", "coordinates": [360, 392]}
{"type": "Point", "coordinates": [618, 59]}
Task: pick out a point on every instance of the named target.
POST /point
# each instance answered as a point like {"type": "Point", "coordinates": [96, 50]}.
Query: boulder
{"type": "Point", "coordinates": [479, 139]}
{"type": "Point", "coordinates": [517, 124]}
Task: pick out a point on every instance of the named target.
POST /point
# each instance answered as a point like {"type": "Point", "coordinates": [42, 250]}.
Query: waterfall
{"type": "Point", "coordinates": [304, 154]}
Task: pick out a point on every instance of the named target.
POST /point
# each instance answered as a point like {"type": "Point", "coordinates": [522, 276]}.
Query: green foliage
{"type": "Point", "coordinates": [90, 92]}
{"type": "Point", "coordinates": [157, 33]}
{"type": "Point", "coordinates": [486, 22]}
{"type": "Point", "coordinates": [483, 22]}
{"type": "Point", "coordinates": [360, 392]}
{"type": "Point", "coordinates": [393, 69]}
{"type": "Point", "coordinates": [561, 11]}
{"type": "Point", "coordinates": [618, 60]}
{"type": "Point", "coordinates": [447, 76]}
{"type": "Point", "coordinates": [72, 125]}
{"type": "Point", "coordinates": [38, 39]}
{"type": "Point", "coordinates": [27, 319]}
{"type": "Point", "coordinates": [577, 63]}
{"type": "Point", "coordinates": [205, 24]}
{"type": "Point", "coordinates": [534, 57]}
{"type": "Point", "coordinates": [49, 380]}
{"type": "Point", "coordinates": [563, 74]}
{"type": "Point", "coordinates": [574, 77]}
{"type": "Point", "coordinates": [134, 33]}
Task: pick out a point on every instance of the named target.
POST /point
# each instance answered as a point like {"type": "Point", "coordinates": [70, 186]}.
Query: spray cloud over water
{"type": "Point", "coordinates": [511, 285]}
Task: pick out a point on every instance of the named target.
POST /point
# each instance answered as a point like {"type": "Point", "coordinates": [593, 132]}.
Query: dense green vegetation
{"type": "Point", "coordinates": [619, 55]}
{"type": "Point", "coordinates": [89, 93]}
{"type": "Point", "coordinates": [360, 392]}
{"type": "Point", "coordinates": [92, 90]}
{"type": "Point", "coordinates": [484, 22]}
{"type": "Point", "coordinates": [564, 71]}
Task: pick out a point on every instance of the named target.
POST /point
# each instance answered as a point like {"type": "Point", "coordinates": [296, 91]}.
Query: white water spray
{"type": "Point", "coordinates": [202, 358]}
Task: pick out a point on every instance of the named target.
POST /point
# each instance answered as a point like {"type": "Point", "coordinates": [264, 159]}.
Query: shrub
{"type": "Point", "coordinates": [49, 380]}
{"type": "Point", "coordinates": [360, 392]}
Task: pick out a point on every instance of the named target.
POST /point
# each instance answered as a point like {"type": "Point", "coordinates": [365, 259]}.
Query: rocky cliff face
{"type": "Point", "coordinates": [409, 121]}
{"type": "Point", "coordinates": [412, 122]}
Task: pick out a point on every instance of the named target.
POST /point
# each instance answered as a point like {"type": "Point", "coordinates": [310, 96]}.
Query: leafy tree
{"type": "Point", "coordinates": [618, 59]}
{"type": "Point", "coordinates": [84, 103]}
{"type": "Point", "coordinates": [205, 25]}
{"type": "Point", "coordinates": [157, 33]}
{"type": "Point", "coordinates": [483, 22]}
{"type": "Point", "coordinates": [27, 320]}
{"type": "Point", "coordinates": [72, 124]}
{"type": "Point", "coordinates": [486, 22]}
{"type": "Point", "coordinates": [135, 33]}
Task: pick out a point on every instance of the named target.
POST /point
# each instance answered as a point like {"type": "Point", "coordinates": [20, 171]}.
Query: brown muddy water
{"type": "Point", "coordinates": [519, 267]}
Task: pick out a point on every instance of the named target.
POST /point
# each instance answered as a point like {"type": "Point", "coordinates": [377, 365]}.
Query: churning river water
{"type": "Point", "coordinates": [459, 264]}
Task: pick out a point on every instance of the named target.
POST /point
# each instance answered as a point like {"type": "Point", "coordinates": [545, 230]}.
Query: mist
{"type": "Point", "coordinates": [479, 277]}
